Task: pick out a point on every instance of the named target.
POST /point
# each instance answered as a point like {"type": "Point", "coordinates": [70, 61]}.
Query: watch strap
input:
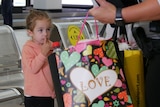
{"type": "Point", "coordinates": [119, 20]}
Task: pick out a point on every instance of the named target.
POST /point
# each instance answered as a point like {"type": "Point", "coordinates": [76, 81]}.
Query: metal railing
{"type": "Point", "coordinates": [11, 77]}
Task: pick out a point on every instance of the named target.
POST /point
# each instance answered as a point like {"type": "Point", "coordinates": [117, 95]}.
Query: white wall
{"type": "Point", "coordinates": [47, 4]}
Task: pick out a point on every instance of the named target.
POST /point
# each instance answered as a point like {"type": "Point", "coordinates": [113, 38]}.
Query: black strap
{"type": "Point", "coordinates": [102, 30]}
{"type": "Point", "coordinates": [55, 78]}
{"type": "Point", "coordinates": [142, 41]}
{"type": "Point", "coordinates": [123, 32]}
{"type": "Point", "coordinates": [119, 19]}
{"type": "Point", "coordinates": [114, 38]}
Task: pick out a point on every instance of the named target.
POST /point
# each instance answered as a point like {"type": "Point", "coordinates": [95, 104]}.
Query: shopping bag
{"type": "Point", "coordinates": [90, 74]}
{"type": "Point", "coordinates": [134, 71]}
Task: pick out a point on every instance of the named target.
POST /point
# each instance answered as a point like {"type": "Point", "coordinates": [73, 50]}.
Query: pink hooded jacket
{"type": "Point", "coordinates": [37, 74]}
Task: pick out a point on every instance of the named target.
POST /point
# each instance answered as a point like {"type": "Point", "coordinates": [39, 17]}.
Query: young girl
{"type": "Point", "coordinates": [38, 85]}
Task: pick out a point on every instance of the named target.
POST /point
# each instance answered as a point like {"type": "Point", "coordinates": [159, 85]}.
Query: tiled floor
{"type": "Point", "coordinates": [12, 103]}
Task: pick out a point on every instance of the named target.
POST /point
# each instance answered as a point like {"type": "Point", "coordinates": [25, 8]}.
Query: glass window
{"type": "Point", "coordinates": [77, 2]}
{"type": "Point", "coordinates": [19, 3]}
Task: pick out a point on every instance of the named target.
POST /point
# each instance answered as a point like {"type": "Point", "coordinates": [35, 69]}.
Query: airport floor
{"type": "Point", "coordinates": [12, 103]}
{"type": "Point", "coordinates": [21, 37]}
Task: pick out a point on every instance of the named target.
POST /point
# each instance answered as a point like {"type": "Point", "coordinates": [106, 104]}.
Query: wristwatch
{"type": "Point", "coordinates": [119, 20]}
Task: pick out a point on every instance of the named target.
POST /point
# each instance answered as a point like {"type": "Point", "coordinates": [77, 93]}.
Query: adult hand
{"type": "Point", "coordinates": [46, 47]}
{"type": "Point", "coordinates": [105, 13]}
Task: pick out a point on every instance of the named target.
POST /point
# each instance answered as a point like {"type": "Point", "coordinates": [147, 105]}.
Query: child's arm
{"type": "Point", "coordinates": [31, 61]}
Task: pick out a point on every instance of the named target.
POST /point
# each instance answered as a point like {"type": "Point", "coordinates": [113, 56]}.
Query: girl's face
{"type": "Point", "coordinates": [40, 32]}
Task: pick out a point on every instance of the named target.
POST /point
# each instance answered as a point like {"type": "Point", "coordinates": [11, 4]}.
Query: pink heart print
{"type": "Point", "coordinates": [63, 82]}
{"type": "Point", "coordinates": [107, 61]}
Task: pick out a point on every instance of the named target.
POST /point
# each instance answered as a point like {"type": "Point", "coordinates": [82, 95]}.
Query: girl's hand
{"type": "Point", "coordinates": [46, 47]}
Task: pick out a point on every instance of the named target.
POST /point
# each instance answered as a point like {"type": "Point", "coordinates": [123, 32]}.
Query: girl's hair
{"type": "Point", "coordinates": [36, 15]}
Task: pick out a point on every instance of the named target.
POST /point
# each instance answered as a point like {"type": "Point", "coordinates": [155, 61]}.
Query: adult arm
{"type": "Point", "coordinates": [145, 11]}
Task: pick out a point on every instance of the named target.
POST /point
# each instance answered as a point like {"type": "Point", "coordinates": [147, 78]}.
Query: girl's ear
{"type": "Point", "coordinates": [29, 32]}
